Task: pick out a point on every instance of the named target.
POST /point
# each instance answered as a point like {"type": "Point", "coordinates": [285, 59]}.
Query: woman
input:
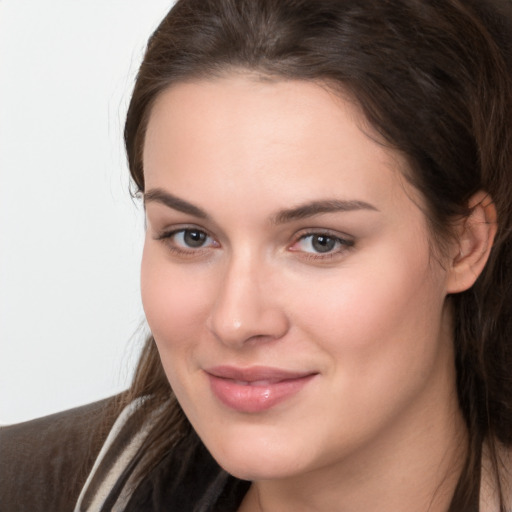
{"type": "Point", "coordinates": [327, 264]}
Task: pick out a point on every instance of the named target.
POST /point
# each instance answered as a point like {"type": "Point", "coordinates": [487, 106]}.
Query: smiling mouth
{"type": "Point", "coordinates": [255, 389]}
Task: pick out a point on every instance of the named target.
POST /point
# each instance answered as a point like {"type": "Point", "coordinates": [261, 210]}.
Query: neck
{"type": "Point", "coordinates": [495, 480]}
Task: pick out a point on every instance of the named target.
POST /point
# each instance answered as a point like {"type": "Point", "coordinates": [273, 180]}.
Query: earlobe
{"type": "Point", "coordinates": [476, 234]}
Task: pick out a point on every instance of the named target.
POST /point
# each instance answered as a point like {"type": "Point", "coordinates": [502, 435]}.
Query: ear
{"type": "Point", "coordinates": [475, 236]}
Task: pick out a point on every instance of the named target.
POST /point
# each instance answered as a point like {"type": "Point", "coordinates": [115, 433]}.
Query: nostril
{"type": "Point", "coordinates": [257, 327]}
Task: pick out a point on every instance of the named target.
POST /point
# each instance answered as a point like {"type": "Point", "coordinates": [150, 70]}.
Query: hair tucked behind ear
{"type": "Point", "coordinates": [433, 77]}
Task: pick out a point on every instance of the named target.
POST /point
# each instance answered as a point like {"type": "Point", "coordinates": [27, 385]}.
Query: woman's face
{"type": "Point", "coordinates": [288, 278]}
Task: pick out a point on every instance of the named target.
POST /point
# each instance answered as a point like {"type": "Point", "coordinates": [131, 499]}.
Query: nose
{"type": "Point", "coordinates": [246, 309]}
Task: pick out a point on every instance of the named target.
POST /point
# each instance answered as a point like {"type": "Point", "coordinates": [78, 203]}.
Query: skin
{"type": "Point", "coordinates": [378, 427]}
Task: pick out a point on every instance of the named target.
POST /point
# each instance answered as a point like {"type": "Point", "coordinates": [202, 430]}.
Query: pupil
{"type": "Point", "coordinates": [323, 243]}
{"type": "Point", "coordinates": [194, 238]}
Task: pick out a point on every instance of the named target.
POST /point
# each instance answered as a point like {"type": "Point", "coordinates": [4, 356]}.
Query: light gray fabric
{"type": "Point", "coordinates": [114, 462]}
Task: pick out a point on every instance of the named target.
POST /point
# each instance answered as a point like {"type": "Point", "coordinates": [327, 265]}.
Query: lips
{"type": "Point", "coordinates": [255, 389]}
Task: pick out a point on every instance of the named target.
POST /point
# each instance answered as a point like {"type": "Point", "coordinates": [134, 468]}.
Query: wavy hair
{"type": "Point", "coordinates": [433, 77]}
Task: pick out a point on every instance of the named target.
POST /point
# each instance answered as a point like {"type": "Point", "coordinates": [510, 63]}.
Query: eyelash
{"type": "Point", "coordinates": [168, 236]}
{"type": "Point", "coordinates": [341, 244]}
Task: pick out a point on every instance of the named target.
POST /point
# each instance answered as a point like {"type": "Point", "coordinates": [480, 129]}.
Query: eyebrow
{"type": "Point", "coordinates": [158, 195]}
{"type": "Point", "coordinates": [319, 207]}
{"type": "Point", "coordinates": [306, 210]}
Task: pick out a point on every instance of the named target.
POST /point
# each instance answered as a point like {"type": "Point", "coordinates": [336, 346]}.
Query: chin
{"type": "Point", "coordinates": [258, 470]}
{"type": "Point", "coordinates": [262, 459]}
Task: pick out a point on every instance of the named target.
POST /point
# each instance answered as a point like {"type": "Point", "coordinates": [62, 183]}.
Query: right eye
{"type": "Point", "coordinates": [186, 240]}
{"type": "Point", "coordinates": [190, 238]}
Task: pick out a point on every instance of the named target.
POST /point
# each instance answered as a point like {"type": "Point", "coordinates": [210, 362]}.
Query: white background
{"type": "Point", "coordinates": [70, 234]}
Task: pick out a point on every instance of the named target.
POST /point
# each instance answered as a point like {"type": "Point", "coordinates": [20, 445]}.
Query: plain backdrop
{"type": "Point", "coordinates": [70, 234]}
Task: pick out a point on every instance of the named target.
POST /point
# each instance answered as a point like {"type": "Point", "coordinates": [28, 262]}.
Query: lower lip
{"type": "Point", "coordinates": [252, 398]}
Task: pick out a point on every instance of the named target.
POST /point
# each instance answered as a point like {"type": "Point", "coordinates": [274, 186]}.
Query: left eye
{"type": "Point", "coordinates": [320, 243]}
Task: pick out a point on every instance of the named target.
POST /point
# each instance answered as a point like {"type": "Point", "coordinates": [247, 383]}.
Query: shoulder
{"type": "Point", "coordinates": [44, 462]}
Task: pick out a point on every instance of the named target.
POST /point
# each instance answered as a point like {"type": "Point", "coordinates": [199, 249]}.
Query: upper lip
{"type": "Point", "coordinates": [256, 373]}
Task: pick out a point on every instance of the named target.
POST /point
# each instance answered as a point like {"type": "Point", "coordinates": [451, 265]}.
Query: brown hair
{"type": "Point", "coordinates": [433, 78]}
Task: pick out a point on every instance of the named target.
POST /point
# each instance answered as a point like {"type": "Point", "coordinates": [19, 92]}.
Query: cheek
{"type": "Point", "coordinates": [381, 334]}
{"type": "Point", "coordinates": [373, 316]}
{"type": "Point", "coordinates": [174, 300]}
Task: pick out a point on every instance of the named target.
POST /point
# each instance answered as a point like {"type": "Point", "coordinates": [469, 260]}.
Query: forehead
{"type": "Point", "coordinates": [246, 136]}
